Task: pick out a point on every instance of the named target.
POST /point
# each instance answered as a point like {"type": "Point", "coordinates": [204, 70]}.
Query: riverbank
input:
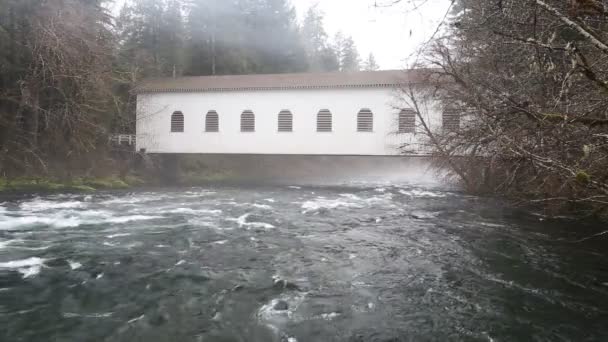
{"type": "Point", "coordinates": [92, 184]}
{"type": "Point", "coordinates": [24, 185]}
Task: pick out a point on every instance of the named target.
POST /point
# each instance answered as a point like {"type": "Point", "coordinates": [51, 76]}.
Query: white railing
{"type": "Point", "coordinates": [123, 139]}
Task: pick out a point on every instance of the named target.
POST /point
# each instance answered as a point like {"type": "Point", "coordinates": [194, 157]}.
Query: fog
{"type": "Point", "coordinates": [320, 170]}
{"type": "Point", "coordinates": [391, 30]}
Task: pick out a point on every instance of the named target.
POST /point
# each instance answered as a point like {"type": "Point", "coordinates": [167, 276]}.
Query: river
{"type": "Point", "coordinates": [357, 262]}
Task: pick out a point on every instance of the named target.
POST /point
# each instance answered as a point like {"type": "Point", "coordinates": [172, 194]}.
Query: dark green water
{"type": "Point", "coordinates": [348, 263]}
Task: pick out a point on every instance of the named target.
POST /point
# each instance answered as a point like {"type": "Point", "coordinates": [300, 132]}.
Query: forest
{"type": "Point", "coordinates": [68, 67]}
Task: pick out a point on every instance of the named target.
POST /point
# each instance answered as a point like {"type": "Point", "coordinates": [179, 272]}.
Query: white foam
{"type": "Point", "coordinates": [242, 222]}
{"type": "Point", "coordinates": [69, 218]}
{"type": "Point", "coordinates": [192, 211]}
{"type": "Point", "coordinates": [92, 315]}
{"type": "Point", "coordinates": [295, 187]}
{"type": "Point", "coordinates": [27, 267]}
{"type": "Point", "coordinates": [329, 316]}
{"type": "Point", "coordinates": [136, 319]}
{"type": "Point", "coordinates": [125, 219]}
{"type": "Point", "coordinates": [99, 276]}
{"type": "Point", "coordinates": [133, 199]}
{"type": "Point", "coordinates": [421, 193]}
{"type": "Point", "coordinates": [29, 271]}
{"type": "Point", "coordinates": [181, 211]}
{"type": "Point", "coordinates": [29, 262]}
{"type": "Point", "coordinates": [383, 199]}
{"type": "Point", "coordinates": [262, 206]}
{"type": "Point", "coordinates": [181, 262]}
{"type": "Point", "coordinates": [58, 222]}
{"type": "Point", "coordinates": [291, 339]}
{"type": "Point", "coordinates": [6, 243]}
{"type": "Point", "coordinates": [199, 193]}
{"type": "Point", "coordinates": [205, 223]}
{"type": "Point", "coordinates": [322, 203]}
{"type": "Point", "coordinates": [221, 242]}
{"type": "Point", "coordinates": [42, 205]}
{"type": "Point", "coordinates": [271, 200]}
{"type": "Point", "coordinates": [74, 264]}
{"type": "Point", "coordinates": [268, 313]}
{"type": "Point", "coordinates": [351, 196]}
{"type": "Point", "coordinates": [112, 236]}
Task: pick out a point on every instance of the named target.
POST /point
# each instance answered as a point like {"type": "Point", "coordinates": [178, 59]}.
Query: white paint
{"type": "Point", "coordinates": [155, 109]}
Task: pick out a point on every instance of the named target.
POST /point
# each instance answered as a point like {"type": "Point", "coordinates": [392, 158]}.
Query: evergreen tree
{"type": "Point", "coordinates": [321, 56]}
{"type": "Point", "coordinates": [151, 34]}
{"type": "Point", "coordinates": [244, 36]}
{"type": "Point", "coordinates": [349, 56]}
{"type": "Point", "coordinates": [370, 64]}
{"type": "Point", "coordinates": [273, 38]}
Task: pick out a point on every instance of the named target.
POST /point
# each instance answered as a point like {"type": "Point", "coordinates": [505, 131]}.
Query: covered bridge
{"type": "Point", "coordinates": [341, 113]}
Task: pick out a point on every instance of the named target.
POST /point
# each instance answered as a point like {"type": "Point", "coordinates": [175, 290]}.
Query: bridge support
{"type": "Point", "coordinates": [169, 168]}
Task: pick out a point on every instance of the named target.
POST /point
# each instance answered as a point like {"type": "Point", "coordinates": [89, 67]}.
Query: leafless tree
{"type": "Point", "coordinates": [531, 79]}
{"type": "Point", "coordinates": [54, 106]}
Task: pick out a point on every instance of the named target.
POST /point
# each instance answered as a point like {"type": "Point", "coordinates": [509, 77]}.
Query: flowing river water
{"type": "Point", "coordinates": [296, 263]}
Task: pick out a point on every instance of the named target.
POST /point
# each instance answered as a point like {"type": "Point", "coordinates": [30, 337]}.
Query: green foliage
{"type": "Point", "coordinates": [76, 185]}
{"type": "Point", "coordinates": [105, 183]}
{"type": "Point", "coordinates": [80, 188]}
{"type": "Point", "coordinates": [134, 181]}
{"type": "Point", "coordinates": [583, 177]}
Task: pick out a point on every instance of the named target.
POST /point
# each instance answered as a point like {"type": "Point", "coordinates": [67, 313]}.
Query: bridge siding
{"type": "Point", "coordinates": [154, 113]}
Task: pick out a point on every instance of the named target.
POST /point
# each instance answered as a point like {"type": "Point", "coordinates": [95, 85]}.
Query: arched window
{"type": "Point", "coordinates": [212, 122]}
{"type": "Point", "coordinates": [324, 121]}
{"type": "Point", "coordinates": [177, 122]}
{"type": "Point", "coordinates": [285, 121]}
{"type": "Point", "coordinates": [365, 120]}
{"type": "Point", "coordinates": [407, 121]}
{"type": "Point", "coordinates": [450, 119]}
{"type": "Point", "coordinates": [247, 121]}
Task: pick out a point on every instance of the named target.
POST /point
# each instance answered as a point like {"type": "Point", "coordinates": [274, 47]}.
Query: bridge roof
{"type": "Point", "coordinates": [383, 78]}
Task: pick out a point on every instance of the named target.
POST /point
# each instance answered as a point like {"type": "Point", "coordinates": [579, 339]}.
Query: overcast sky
{"type": "Point", "coordinates": [391, 33]}
{"type": "Point", "coordinates": [383, 30]}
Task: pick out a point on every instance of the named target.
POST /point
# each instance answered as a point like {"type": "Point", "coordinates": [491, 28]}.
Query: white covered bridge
{"type": "Point", "coordinates": [356, 113]}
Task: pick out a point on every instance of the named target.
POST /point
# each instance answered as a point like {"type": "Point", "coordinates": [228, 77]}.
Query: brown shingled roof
{"type": "Point", "coordinates": [384, 78]}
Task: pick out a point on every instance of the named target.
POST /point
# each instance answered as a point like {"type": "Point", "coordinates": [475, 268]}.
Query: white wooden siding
{"type": "Point", "coordinates": [154, 112]}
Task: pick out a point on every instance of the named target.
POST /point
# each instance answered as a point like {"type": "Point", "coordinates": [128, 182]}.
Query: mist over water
{"type": "Point", "coordinates": [363, 259]}
{"type": "Point", "coordinates": [322, 170]}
